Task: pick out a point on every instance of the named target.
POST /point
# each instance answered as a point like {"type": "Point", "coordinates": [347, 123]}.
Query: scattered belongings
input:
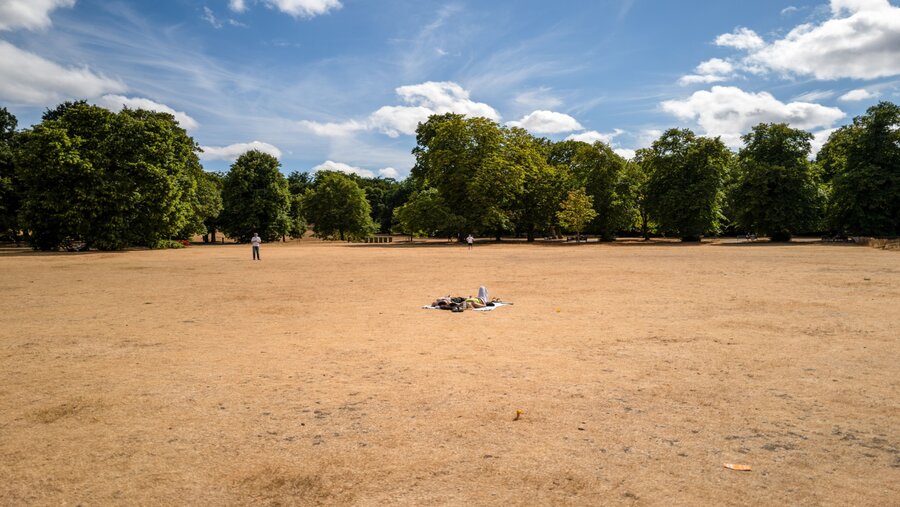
{"type": "Point", "coordinates": [457, 304]}
{"type": "Point", "coordinates": [739, 468]}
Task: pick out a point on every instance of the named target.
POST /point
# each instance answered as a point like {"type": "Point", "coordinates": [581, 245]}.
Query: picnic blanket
{"type": "Point", "coordinates": [497, 304]}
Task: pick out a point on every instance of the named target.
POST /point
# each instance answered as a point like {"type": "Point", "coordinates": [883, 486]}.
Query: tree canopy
{"type": "Point", "coordinates": [107, 179]}
{"type": "Point", "coordinates": [337, 207]}
{"type": "Point", "coordinates": [775, 192]}
{"type": "Point", "coordinates": [9, 197]}
{"type": "Point", "coordinates": [864, 162]}
{"type": "Point", "coordinates": [255, 198]}
{"type": "Point", "coordinates": [684, 187]}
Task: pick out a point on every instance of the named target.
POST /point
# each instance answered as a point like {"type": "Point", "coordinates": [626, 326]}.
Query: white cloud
{"type": "Point", "coordinates": [303, 8]}
{"type": "Point", "coordinates": [698, 79]}
{"type": "Point", "coordinates": [445, 97]}
{"type": "Point", "coordinates": [790, 9]}
{"type": "Point", "coordinates": [715, 66]}
{"type": "Point", "coordinates": [333, 129]}
{"type": "Point", "coordinates": [388, 172]}
{"type": "Point", "coordinates": [330, 165]}
{"type": "Point", "coordinates": [28, 14]}
{"type": "Point", "coordinates": [742, 38]}
{"type": "Point", "coordinates": [852, 6]}
{"type": "Point", "coordinates": [233, 151]}
{"type": "Point", "coordinates": [547, 122]}
{"type": "Point", "coordinates": [729, 112]}
{"type": "Point", "coordinates": [814, 96]}
{"type": "Point", "coordinates": [714, 70]}
{"type": "Point", "coordinates": [819, 139]}
{"type": "Point", "coordinates": [117, 102]}
{"type": "Point", "coordinates": [592, 136]}
{"type": "Point", "coordinates": [422, 101]}
{"type": "Point", "coordinates": [396, 120]}
{"type": "Point", "coordinates": [857, 95]}
{"type": "Point", "coordinates": [863, 45]}
{"type": "Point", "coordinates": [237, 5]}
{"type": "Point", "coordinates": [31, 79]}
{"type": "Point", "coordinates": [625, 153]}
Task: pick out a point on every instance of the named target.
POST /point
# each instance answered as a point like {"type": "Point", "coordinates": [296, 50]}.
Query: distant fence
{"type": "Point", "coordinates": [379, 239]}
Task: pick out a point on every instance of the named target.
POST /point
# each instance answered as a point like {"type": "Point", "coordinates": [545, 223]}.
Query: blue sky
{"type": "Point", "coordinates": [341, 84]}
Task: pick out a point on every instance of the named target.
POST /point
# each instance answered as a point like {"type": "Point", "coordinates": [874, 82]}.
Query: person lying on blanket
{"type": "Point", "coordinates": [454, 303]}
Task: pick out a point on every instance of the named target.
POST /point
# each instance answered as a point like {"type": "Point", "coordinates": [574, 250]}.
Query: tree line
{"type": "Point", "coordinates": [133, 178]}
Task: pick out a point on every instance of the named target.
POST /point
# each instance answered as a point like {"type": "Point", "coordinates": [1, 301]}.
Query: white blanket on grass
{"type": "Point", "coordinates": [497, 304]}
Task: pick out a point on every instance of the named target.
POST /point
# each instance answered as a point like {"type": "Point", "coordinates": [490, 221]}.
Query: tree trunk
{"type": "Point", "coordinates": [530, 234]}
{"type": "Point", "coordinates": [212, 235]}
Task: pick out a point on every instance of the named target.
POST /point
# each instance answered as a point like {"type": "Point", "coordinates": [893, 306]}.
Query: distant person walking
{"type": "Point", "coordinates": [255, 241]}
{"type": "Point", "coordinates": [470, 240]}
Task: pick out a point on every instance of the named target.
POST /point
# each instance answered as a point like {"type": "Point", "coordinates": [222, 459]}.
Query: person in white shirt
{"type": "Point", "coordinates": [470, 240]}
{"type": "Point", "coordinates": [255, 241]}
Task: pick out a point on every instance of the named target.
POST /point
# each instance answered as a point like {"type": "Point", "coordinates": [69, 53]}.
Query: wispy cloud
{"type": "Point", "coordinates": [31, 79]}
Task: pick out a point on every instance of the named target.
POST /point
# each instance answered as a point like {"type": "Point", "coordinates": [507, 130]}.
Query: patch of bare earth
{"type": "Point", "coordinates": [200, 377]}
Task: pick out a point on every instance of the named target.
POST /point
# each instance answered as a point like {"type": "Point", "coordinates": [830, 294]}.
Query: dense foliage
{"type": "Point", "coordinates": [111, 180]}
{"type": "Point", "coordinates": [863, 164]}
{"type": "Point", "coordinates": [775, 192]}
{"type": "Point", "coordinates": [107, 179]}
{"type": "Point", "coordinates": [255, 198]}
{"type": "Point", "coordinates": [9, 197]}
{"type": "Point", "coordinates": [685, 183]}
{"type": "Point", "coordinates": [338, 207]}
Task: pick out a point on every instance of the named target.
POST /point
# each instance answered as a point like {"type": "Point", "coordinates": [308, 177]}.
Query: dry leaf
{"type": "Point", "coordinates": [739, 468]}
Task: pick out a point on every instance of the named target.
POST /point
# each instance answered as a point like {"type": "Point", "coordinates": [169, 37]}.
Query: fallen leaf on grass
{"type": "Point", "coordinates": [739, 468]}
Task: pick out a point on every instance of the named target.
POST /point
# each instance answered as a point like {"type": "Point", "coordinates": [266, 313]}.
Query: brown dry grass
{"type": "Point", "coordinates": [200, 377]}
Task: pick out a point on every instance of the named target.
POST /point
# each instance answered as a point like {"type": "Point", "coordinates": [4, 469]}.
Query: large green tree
{"type": "Point", "coordinates": [460, 157]}
{"type": "Point", "coordinates": [863, 160]}
{"type": "Point", "coordinates": [108, 179]}
{"type": "Point", "coordinates": [255, 198]}
{"type": "Point", "coordinates": [685, 184]}
{"type": "Point", "coordinates": [9, 196]}
{"type": "Point", "coordinates": [338, 208]}
{"type": "Point", "coordinates": [775, 192]}
{"type": "Point", "coordinates": [58, 198]}
{"type": "Point", "coordinates": [153, 160]}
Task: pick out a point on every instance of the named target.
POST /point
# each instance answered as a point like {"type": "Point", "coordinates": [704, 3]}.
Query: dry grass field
{"type": "Point", "coordinates": [200, 377]}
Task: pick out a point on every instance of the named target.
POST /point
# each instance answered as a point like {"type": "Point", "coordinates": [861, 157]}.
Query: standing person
{"type": "Point", "coordinates": [255, 241]}
{"type": "Point", "coordinates": [470, 240]}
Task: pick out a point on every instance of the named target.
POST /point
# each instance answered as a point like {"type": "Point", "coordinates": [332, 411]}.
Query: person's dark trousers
{"type": "Point", "coordinates": [255, 253]}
